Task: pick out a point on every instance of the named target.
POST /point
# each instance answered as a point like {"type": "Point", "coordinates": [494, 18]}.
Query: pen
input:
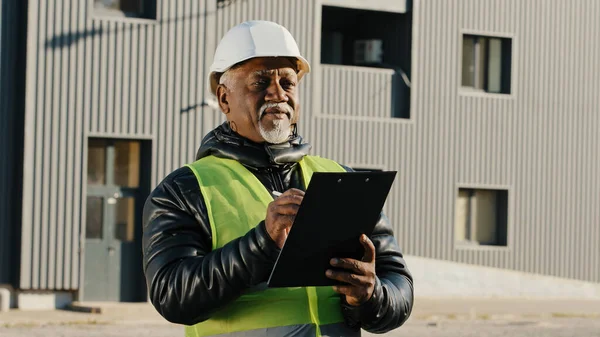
{"type": "Point", "coordinates": [276, 194]}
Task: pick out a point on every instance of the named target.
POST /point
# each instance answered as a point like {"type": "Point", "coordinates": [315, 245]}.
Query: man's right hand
{"type": "Point", "coordinates": [281, 214]}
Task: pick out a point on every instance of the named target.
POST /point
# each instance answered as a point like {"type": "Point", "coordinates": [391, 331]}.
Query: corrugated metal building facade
{"type": "Point", "coordinates": [91, 77]}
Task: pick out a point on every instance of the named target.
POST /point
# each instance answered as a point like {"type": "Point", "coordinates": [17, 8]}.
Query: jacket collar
{"type": "Point", "coordinates": [225, 143]}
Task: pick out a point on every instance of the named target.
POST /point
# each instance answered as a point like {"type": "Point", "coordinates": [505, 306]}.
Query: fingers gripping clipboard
{"type": "Point", "coordinates": [336, 210]}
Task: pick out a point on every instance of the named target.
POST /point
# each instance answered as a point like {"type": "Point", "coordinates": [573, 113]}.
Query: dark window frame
{"type": "Point", "coordinates": [481, 47]}
{"type": "Point", "coordinates": [502, 209]}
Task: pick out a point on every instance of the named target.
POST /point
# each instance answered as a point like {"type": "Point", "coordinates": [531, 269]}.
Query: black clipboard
{"type": "Point", "coordinates": [337, 208]}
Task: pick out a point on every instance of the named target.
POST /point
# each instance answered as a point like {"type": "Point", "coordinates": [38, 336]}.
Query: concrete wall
{"type": "Point", "coordinates": [437, 278]}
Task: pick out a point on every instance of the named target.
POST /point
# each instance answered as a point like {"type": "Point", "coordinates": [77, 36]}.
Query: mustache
{"type": "Point", "coordinates": [279, 106]}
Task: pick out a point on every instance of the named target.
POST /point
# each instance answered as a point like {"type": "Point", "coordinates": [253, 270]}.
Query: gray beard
{"type": "Point", "coordinates": [279, 133]}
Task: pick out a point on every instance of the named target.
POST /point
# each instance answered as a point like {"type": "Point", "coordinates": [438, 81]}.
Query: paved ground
{"type": "Point", "coordinates": [431, 317]}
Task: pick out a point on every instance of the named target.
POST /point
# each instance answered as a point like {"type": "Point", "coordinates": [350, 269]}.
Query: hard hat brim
{"type": "Point", "coordinates": [303, 69]}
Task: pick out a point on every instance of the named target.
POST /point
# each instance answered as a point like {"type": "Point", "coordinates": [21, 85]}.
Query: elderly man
{"type": "Point", "coordinates": [213, 230]}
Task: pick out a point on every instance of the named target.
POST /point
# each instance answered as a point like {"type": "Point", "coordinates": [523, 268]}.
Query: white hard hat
{"type": "Point", "coordinates": [252, 39]}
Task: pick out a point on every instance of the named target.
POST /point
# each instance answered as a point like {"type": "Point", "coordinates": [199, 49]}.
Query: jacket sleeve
{"type": "Point", "coordinates": [188, 280]}
{"type": "Point", "coordinates": [392, 300]}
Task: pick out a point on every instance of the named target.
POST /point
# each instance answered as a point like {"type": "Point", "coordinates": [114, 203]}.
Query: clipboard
{"type": "Point", "coordinates": [336, 210]}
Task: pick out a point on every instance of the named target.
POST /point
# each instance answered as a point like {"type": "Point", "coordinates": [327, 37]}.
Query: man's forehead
{"type": "Point", "coordinates": [267, 66]}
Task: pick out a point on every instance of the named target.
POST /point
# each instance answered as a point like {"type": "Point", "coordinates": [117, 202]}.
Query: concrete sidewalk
{"type": "Point", "coordinates": [426, 309]}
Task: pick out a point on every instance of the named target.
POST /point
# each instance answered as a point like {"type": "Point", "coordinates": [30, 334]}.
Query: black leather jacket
{"type": "Point", "coordinates": [188, 281]}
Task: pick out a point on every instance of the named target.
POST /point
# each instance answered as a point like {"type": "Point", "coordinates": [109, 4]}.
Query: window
{"type": "Point", "coordinates": [357, 45]}
{"type": "Point", "coordinates": [486, 63]}
{"type": "Point", "coordinates": [127, 8]}
{"type": "Point", "coordinates": [481, 217]}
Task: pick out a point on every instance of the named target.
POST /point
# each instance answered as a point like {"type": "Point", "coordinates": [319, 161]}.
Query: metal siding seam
{"type": "Point", "coordinates": [104, 69]}
{"type": "Point", "coordinates": [520, 220]}
{"type": "Point", "coordinates": [95, 76]}
{"type": "Point", "coordinates": [30, 157]}
{"type": "Point", "coordinates": [355, 93]}
{"type": "Point", "coordinates": [594, 185]}
{"type": "Point", "coordinates": [64, 220]}
{"type": "Point", "coordinates": [582, 258]}
{"type": "Point", "coordinates": [196, 77]}
{"type": "Point", "coordinates": [417, 208]}
{"type": "Point", "coordinates": [577, 151]}
{"type": "Point", "coordinates": [595, 126]}
{"type": "Point", "coordinates": [206, 51]}
{"type": "Point", "coordinates": [179, 75]}
{"type": "Point", "coordinates": [511, 110]}
{"type": "Point", "coordinates": [201, 64]}
{"type": "Point", "coordinates": [58, 134]}
{"type": "Point", "coordinates": [376, 98]}
{"type": "Point", "coordinates": [155, 50]}
{"type": "Point", "coordinates": [582, 269]}
{"type": "Point", "coordinates": [590, 149]}
{"type": "Point", "coordinates": [553, 193]}
{"type": "Point", "coordinates": [358, 89]}
{"type": "Point", "coordinates": [169, 114]}
{"type": "Point", "coordinates": [144, 105]}
{"type": "Point", "coordinates": [327, 95]}
{"type": "Point", "coordinates": [112, 37]}
{"type": "Point", "coordinates": [515, 230]}
{"type": "Point", "coordinates": [122, 56]}
{"type": "Point", "coordinates": [569, 255]}
{"type": "Point", "coordinates": [82, 122]}
{"type": "Point", "coordinates": [387, 112]}
{"type": "Point", "coordinates": [132, 90]}
{"type": "Point", "coordinates": [562, 154]}
{"type": "Point", "coordinates": [586, 266]}
{"type": "Point", "coordinates": [427, 139]}
{"type": "Point", "coordinates": [409, 233]}
{"type": "Point", "coordinates": [442, 146]}
{"type": "Point", "coordinates": [160, 123]}
{"type": "Point", "coordinates": [537, 174]}
{"type": "Point", "coordinates": [528, 180]}
{"type": "Point", "coordinates": [448, 195]}
{"type": "Point", "coordinates": [342, 92]}
{"type": "Point", "coordinates": [336, 86]}
{"type": "Point", "coordinates": [188, 101]}
{"type": "Point", "coordinates": [577, 226]}
{"type": "Point", "coordinates": [40, 265]}
{"type": "Point", "coordinates": [554, 146]}
{"type": "Point", "coordinates": [559, 224]}
{"type": "Point", "coordinates": [135, 111]}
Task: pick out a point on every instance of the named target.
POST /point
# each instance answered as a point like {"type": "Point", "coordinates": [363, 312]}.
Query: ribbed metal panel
{"type": "Point", "coordinates": [11, 134]}
{"type": "Point", "coordinates": [129, 78]}
{"type": "Point", "coordinates": [103, 77]}
{"type": "Point", "coordinates": [541, 142]}
{"type": "Point", "coordinates": [356, 91]}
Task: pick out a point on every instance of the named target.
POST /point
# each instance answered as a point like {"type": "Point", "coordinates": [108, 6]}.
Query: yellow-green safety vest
{"type": "Point", "coordinates": [236, 201]}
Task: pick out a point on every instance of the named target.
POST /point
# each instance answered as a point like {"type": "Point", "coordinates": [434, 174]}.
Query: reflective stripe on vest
{"type": "Point", "coordinates": [236, 201]}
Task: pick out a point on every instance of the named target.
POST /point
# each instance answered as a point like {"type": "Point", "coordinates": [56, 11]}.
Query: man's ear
{"type": "Point", "coordinates": [222, 98]}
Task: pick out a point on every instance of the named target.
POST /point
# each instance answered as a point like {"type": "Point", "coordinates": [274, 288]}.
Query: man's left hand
{"type": "Point", "coordinates": [358, 275]}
